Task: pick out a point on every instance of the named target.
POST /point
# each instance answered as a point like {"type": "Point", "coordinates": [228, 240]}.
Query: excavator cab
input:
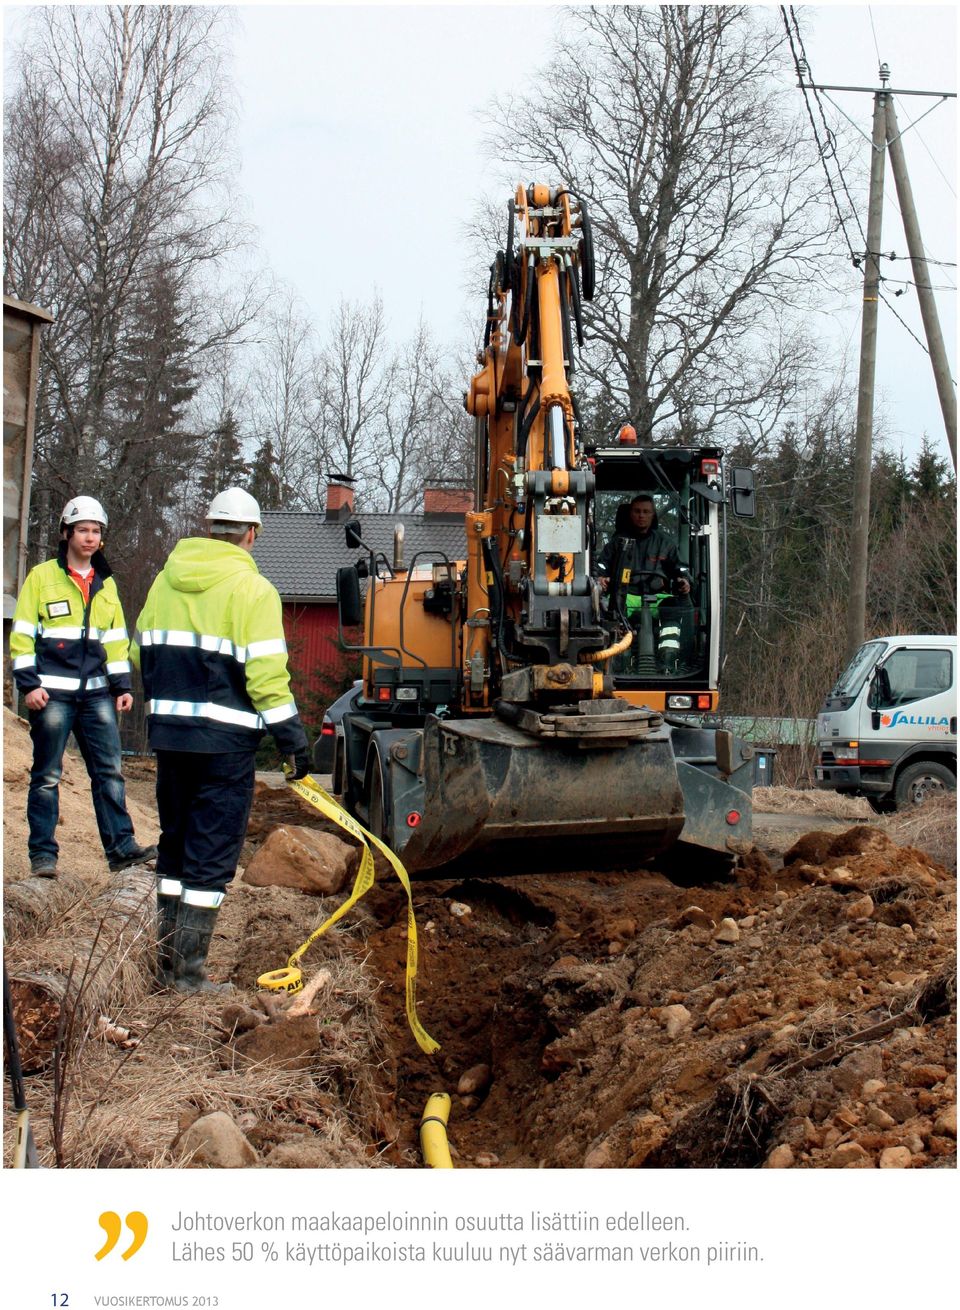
{"type": "Point", "coordinates": [673, 662]}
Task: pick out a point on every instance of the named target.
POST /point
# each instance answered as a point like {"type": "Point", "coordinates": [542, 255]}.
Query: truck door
{"type": "Point", "coordinates": [914, 703]}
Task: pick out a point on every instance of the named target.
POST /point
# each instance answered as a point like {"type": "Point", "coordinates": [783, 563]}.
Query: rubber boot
{"type": "Point", "coordinates": [195, 925]}
{"type": "Point", "coordinates": [168, 909]}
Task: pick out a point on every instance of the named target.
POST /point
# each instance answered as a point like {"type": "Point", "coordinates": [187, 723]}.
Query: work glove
{"type": "Point", "coordinates": [300, 765]}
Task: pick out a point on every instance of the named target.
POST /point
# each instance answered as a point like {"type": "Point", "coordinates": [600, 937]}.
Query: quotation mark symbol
{"type": "Point", "coordinates": [112, 1225]}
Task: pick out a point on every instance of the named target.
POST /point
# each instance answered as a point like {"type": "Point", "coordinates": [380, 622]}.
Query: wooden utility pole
{"type": "Point", "coordinates": [884, 129]}
{"type": "Point", "coordinates": [921, 276]}
{"type": "Point", "coordinates": [863, 446]}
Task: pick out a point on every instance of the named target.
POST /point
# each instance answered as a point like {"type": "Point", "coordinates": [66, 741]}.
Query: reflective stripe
{"type": "Point", "coordinates": [25, 629]}
{"type": "Point", "coordinates": [54, 633]}
{"type": "Point", "coordinates": [195, 896]}
{"type": "Point", "coordinates": [279, 713]}
{"type": "Point", "coordinates": [204, 710]}
{"type": "Point", "coordinates": [114, 634]}
{"type": "Point", "coordinates": [25, 662]}
{"type": "Point", "coordinates": [59, 684]}
{"type": "Point", "coordinates": [169, 887]}
{"type": "Point", "coordinates": [94, 684]}
{"type": "Point", "coordinates": [275, 647]}
{"type": "Point", "coordinates": [118, 666]}
{"type": "Point", "coordinates": [209, 642]}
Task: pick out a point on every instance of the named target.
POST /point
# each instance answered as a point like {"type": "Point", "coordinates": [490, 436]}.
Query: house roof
{"type": "Point", "coordinates": [300, 551]}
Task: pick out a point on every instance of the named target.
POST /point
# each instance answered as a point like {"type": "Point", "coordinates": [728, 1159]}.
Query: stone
{"type": "Point", "coordinates": [850, 1155]}
{"type": "Point", "coordinates": [302, 858]}
{"type": "Point", "coordinates": [870, 1088]}
{"type": "Point", "coordinates": [475, 1079]}
{"type": "Point", "coordinates": [925, 1075]}
{"type": "Point", "coordinates": [486, 1160]}
{"type": "Point", "coordinates": [781, 1157]}
{"type": "Point", "coordinates": [860, 908]}
{"type": "Point", "coordinates": [675, 1018]}
{"type": "Point", "coordinates": [780, 898]}
{"type": "Point", "coordinates": [946, 1122]}
{"type": "Point", "coordinates": [895, 1157]}
{"type": "Point", "coordinates": [215, 1142]}
{"type": "Point", "coordinates": [697, 917]}
{"type": "Point", "coordinates": [727, 932]}
{"type": "Point", "coordinates": [879, 1118]}
{"type": "Point", "coordinates": [599, 1157]}
{"type": "Point", "coordinates": [459, 910]}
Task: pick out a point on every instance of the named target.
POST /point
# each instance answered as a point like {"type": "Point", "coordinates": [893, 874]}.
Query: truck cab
{"type": "Point", "coordinates": [888, 729]}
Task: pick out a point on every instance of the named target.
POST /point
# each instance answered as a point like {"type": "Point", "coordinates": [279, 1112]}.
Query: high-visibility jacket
{"type": "Point", "coordinates": [209, 643]}
{"type": "Point", "coordinates": [71, 647]}
{"type": "Point", "coordinates": [644, 564]}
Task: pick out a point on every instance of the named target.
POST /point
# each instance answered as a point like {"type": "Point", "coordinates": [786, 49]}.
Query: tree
{"type": "Point", "coordinates": [221, 459]}
{"type": "Point", "coordinates": [283, 408]}
{"type": "Point", "coordinates": [115, 179]}
{"type": "Point", "coordinates": [706, 207]}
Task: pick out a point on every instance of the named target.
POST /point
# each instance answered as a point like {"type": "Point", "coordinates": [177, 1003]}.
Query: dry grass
{"type": "Point", "coordinates": [788, 800]}
{"type": "Point", "coordinates": [932, 827]}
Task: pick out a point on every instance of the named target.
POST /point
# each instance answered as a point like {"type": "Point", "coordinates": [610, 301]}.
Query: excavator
{"type": "Point", "coordinates": [518, 701]}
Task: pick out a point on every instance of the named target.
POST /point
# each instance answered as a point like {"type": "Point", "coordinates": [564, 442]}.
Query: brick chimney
{"type": "Point", "coordinates": [339, 501]}
{"type": "Point", "coordinates": [446, 500]}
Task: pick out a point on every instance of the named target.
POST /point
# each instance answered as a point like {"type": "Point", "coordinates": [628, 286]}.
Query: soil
{"type": "Point", "coordinates": [799, 1013]}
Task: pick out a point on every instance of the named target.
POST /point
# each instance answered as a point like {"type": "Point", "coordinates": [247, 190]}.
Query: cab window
{"type": "Point", "coordinates": [910, 675]}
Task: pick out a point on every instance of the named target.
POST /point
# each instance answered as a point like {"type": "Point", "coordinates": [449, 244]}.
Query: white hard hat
{"type": "Point", "coordinates": [234, 506]}
{"type": "Point", "coordinates": [81, 509]}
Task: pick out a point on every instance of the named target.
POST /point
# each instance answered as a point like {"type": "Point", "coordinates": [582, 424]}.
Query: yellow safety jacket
{"type": "Point", "coordinates": [210, 645]}
{"type": "Point", "coordinates": [70, 648]}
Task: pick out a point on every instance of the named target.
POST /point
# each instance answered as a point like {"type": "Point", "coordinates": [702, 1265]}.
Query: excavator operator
{"type": "Point", "coordinates": [642, 564]}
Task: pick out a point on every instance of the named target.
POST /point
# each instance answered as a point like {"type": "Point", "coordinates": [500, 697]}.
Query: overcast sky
{"type": "Point", "coordinates": [362, 158]}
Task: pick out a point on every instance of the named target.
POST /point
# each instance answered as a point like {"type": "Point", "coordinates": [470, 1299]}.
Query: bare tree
{"type": "Point", "coordinates": [283, 410]}
{"type": "Point", "coordinates": [706, 204]}
{"type": "Point", "coordinates": [115, 185]}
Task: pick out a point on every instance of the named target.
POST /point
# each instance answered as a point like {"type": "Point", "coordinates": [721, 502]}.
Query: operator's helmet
{"type": "Point", "coordinates": [232, 509]}
{"type": "Point", "coordinates": [83, 509]}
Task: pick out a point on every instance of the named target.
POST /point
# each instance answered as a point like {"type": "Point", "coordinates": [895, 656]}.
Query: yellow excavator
{"type": "Point", "coordinates": [540, 698]}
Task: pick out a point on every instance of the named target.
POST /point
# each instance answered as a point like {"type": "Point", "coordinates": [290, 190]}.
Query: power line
{"type": "Point", "coordinates": [821, 147]}
{"type": "Point", "coordinates": [874, 31]}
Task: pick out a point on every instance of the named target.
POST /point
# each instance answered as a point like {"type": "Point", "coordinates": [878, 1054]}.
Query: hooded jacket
{"type": "Point", "coordinates": [210, 645]}
{"type": "Point", "coordinates": [636, 562]}
{"type": "Point", "coordinates": [72, 648]}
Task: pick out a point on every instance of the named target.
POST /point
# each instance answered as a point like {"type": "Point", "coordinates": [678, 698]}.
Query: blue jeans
{"type": "Point", "coordinates": [93, 721]}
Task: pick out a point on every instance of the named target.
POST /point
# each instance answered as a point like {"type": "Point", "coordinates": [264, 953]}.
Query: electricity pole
{"type": "Point", "coordinates": [921, 275]}
{"type": "Point", "coordinates": [863, 442]}
{"type": "Point", "coordinates": [884, 130]}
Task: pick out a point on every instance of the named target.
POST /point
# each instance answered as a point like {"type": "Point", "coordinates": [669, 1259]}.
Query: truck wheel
{"type": "Point", "coordinates": [376, 810]}
{"type": "Point", "coordinates": [918, 782]}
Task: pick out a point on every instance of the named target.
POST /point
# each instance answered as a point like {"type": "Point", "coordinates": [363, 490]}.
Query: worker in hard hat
{"type": "Point", "coordinates": [210, 645]}
{"type": "Point", "coordinates": [69, 649]}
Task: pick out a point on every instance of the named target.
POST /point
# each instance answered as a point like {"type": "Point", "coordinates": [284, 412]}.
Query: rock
{"type": "Point", "coordinates": [860, 908]}
{"type": "Point", "coordinates": [214, 1141]}
{"type": "Point", "coordinates": [850, 1155]}
{"type": "Point", "coordinates": [781, 1157]}
{"type": "Point", "coordinates": [302, 858]}
{"type": "Point", "coordinates": [675, 1018]}
{"type": "Point", "coordinates": [895, 1157]}
{"type": "Point", "coordinates": [898, 1104]}
{"type": "Point", "coordinates": [925, 1075]}
{"type": "Point", "coordinates": [599, 1157]}
{"type": "Point", "coordinates": [727, 932]}
{"type": "Point", "coordinates": [870, 1088]}
{"type": "Point", "coordinates": [697, 917]}
{"type": "Point", "coordinates": [946, 1122]}
{"type": "Point", "coordinates": [879, 1118]}
{"type": "Point", "coordinates": [854, 1070]}
{"type": "Point", "coordinates": [459, 910]}
{"type": "Point", "coordinates": [476, 1078]}
{"type": "Point", "coordinates": [486, 1160]}
{"type": "Point", "coordinates": [755, 943]}
{"type": "Point", "coordinates": [780, 898]}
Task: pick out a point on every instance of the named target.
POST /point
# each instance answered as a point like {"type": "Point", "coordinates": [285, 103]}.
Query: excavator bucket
{"type": "Point", "coordinates": [492, 787]}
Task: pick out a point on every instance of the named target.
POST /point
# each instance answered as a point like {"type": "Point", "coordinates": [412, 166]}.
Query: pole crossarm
{"type": "Point", "coordinates": [873, 90]}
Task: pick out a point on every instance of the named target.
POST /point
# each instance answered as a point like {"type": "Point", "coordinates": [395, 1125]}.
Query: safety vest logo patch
{"type": "Point", "coordinates": [58, 609]}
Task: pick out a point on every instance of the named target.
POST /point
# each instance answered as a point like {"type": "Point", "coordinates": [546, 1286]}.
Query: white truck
{"type": "Point", "coordinates": [888, 729]}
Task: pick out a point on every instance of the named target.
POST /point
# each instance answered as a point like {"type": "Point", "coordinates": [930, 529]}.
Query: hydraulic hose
{"type": "Point", "coordinates": [601, 656]}
{"type": "Point", "coordinates": [433, 1132]}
